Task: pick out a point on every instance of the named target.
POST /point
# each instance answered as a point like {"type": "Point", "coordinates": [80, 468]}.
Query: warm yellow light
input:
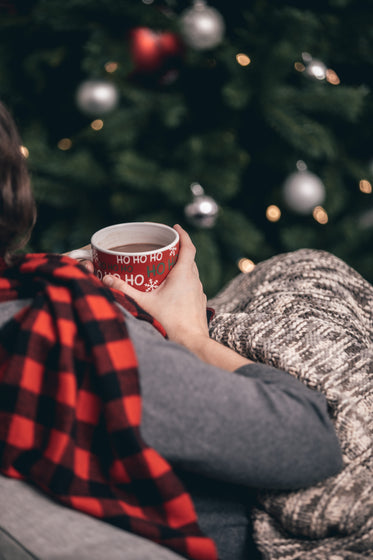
{"type": "Point", "coordinates": [273, 213]}
{"type": "Point", "coordinates": [246, 265]}
{"type": "Point", "coordinates": [24, 151]}
{"type": "Point", "coordinates": [243, 59]}
{"type": "Point", "coordinates": [97, 124]}
{"type": "Point", "coordinates": [332, 77]}
{"type": "Point", "coordinates": [111, 67]}
{"type": "Point", "coordinates": [299, 67]}
{"type": "Point", "coordinates": [64, 144]}
{"type": "Point", "coordinates": [365, 186]}
{"type": "Point", "coordinates": [320, 215]}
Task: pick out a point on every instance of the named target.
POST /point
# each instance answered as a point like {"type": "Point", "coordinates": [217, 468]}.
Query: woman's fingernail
{"type": "Point", "coordinates": [108, 280]}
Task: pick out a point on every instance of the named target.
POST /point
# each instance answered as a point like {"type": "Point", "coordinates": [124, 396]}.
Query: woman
{"type": "Point", "coordinates": [95, 349]}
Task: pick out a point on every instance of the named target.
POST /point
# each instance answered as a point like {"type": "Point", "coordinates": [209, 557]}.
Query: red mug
{"type": "Point", "coordinates": [141, 253]}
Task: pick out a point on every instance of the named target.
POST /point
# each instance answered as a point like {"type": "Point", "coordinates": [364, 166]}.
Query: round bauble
{"type": "Point", "coordinates": [155, 52]}
{"type": "Point", "coordinates": [202, 27]}
{"type": "Point", "coordinates": [97, 97]}
{"type": "Point", "coordinates": [203, 211]}
{"type": "Point", "coordinates": [303, 190]}
{"type": "Point", "coordinates": [316, 69]}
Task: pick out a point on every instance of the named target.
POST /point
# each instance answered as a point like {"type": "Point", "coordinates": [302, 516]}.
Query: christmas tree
{"type": "Point", "coordinates": [247, 123]}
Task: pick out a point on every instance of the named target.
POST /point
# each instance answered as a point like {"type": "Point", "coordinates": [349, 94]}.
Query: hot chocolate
{"type": "Point", "coordinates": [136, 247]}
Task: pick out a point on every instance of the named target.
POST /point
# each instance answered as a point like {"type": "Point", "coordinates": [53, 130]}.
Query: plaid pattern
{"type": "Point", "coordinates": [70, 406]}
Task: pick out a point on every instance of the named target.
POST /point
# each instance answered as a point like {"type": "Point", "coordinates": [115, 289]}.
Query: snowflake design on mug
{"type": "Point", "coordinates": [173, 251]}
{"type": "Point", "coordinates": [152, 285]}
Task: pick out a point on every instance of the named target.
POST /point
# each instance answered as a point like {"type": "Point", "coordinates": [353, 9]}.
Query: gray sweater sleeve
{"type": "Point", "coordinates": [257, 426]}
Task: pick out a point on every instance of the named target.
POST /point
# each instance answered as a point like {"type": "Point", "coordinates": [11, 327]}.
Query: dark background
{"type": "Point", "coordinates": [189, 115]}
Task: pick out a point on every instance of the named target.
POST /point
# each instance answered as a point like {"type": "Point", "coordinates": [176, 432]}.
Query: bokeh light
{"type": "Point", "coordinates": [365, 186]}
{"type": "Point", "coordinates": [320, 215]}
{"type": "Point", "coordinates": [273, 213]}
{"type": "Point", "coordinates": [299, 67]}
{"type": "Point", "coordinates": [97, 124]}
{"type": "Point", "coordinates": [332, 77]}
{"type": "Point", "coordinates": [64, 144]}
{"type": "Point", "coordinates": [111, 67]}
{"type": "Point", "coordinates": [246, 265]}
{"type": "Point", "coordinates": [24, 151]}
{"type": "Point", "coordinates": [243, 59]}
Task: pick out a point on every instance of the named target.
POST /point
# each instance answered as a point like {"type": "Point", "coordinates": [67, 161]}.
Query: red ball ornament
{"type": "Point", "coordinates": [155, 53]}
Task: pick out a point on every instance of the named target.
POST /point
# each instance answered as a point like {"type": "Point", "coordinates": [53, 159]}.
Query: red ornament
{"type": "Point", "coordinates": [155, 53]}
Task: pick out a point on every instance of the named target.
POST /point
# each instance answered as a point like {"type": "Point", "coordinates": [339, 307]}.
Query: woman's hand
{"type": "Point", "coordinates": [88, 264]}
{"type": "Point", "coordinates": [179, 303]}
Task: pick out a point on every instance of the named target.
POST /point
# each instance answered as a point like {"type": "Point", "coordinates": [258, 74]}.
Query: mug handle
{"type": "Point", "coordinates": [79, 254]}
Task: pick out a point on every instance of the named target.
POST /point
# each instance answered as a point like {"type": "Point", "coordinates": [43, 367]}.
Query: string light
{"type": "Point", "coordinates": [320, 215]}
{"type": "Point", "coordinates": [246, 265]}
{"type": "Point", "coordinates": [111, 67]}
{"type": "Point", "coordinates": [273, 213]}
{"type": "Point", "coordinates": [365, 186]}
{"type": "Point", "coordinates": [64, 144]}
{"type": "Point", "coordinates": [97, 124]}
{"type": "Point", "coordinates": [316, 69]}
{"type": "Point", "coordinates": [24, 151]}
{"type": "Point", "coordinates": [243, 59]}
{"type": "Point", "coordinates": [299, 67]}
{"type": "Point", "coordinates": [332, 77]}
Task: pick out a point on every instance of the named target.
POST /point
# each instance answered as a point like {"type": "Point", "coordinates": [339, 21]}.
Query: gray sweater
{"type": "Point", "coordinates": [227, 434]}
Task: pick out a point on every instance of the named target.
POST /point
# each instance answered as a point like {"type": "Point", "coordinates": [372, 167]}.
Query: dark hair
{"type": "Point", "coordinates": [17, 204]}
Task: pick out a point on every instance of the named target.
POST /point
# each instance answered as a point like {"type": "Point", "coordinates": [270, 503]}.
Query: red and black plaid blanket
{"type": "Point", "coordinates": [70, 406]}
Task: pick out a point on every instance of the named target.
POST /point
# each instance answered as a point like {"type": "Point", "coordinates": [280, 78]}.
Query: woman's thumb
{"type": "Point", "coordinates": [116, 283]}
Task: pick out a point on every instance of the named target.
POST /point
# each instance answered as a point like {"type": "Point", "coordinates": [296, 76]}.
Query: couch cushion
{"type": "Point", "coordinates": [33, 526]}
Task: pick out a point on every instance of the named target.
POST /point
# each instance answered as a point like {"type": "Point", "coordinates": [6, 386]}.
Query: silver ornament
{"type": "Point", "coordinates": [203, 211]}
{"type": "Point", "coordinates": [303, 190]}
{"type": "Point", "coordinates": [202, 27]}
{"type": "Point", "coordinates": [97, 97]}
{"type": "Point", "coordinates": [314, 68]}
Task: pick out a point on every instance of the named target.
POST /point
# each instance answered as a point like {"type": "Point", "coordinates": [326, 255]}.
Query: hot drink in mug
{"type": "Point", "coordinates": [141, 253]}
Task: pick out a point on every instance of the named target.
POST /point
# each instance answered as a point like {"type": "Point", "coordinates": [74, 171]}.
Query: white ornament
{"type": "Point", "coordinates": [314, 68]}
{"type": "Point", "coordinates": [97, 97]}
{"type": "Point", "coordinates": [203, 211]}
{"type": "Point", "coordinates": [202, 27]}
{"type": "Point", "coordinates": [303, 190]}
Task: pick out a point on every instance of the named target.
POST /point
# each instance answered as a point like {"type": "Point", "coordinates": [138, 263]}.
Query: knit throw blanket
{"type": "Point", "coordinates": [70, 406]}
{"type": "Point", "coordinates": [310, 314]}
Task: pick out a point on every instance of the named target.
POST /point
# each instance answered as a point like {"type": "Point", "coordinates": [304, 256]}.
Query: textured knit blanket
{"type": "Point", "coordinates": [70, 406]}
{"type": "Point", "coordinates": [310, 314]}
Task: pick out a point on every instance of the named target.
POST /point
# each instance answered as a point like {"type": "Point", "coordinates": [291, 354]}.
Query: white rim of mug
{"type": "Point", "coordinates": [115, 226]}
